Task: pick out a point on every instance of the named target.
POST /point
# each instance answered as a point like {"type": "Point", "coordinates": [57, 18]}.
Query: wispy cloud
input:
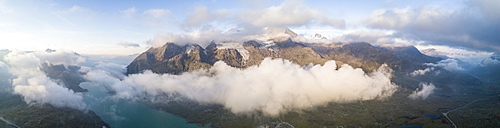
{"type": "Point", "coordinates": [289, 13]}
{"type": "Point", "coordinates": [4, 8]}
{"type": "Point", "coordinates": [129, 13]}
{"type": "Point", "coordinates": [78, 9]}
{"type": "Point", "coordinates": [158, 13]}
{"type": "Point", "coordinates": [151, 17]}
{"type": "Point", "coordinates": [473, 26]}
{"type": "Point", "coordinates": [202, 15]}
{"type": "Point", "coordinates": [128, 44]}
{"type": "Point", "coordinates": [75, 10]}
{"type": "Point", "coordinates": [448, 64]}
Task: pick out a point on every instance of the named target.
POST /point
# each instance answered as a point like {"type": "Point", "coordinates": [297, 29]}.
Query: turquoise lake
{"type": "Point", "coordinates": [120, 113]}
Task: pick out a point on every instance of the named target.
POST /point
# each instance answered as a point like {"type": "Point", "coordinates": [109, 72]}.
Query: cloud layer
{"type": "Point", "coordinates": [289, 13]}
{"type": "Point", "coordinates": [474, 26]}
{"type": "Point", "coordinates": [272, 87]}
{"type": "Point", "coordinates": [448, 64]}
{"type": "Point", "coordinates": [32, 83]}
{"type": "Point", "coordinates": [128, 44]}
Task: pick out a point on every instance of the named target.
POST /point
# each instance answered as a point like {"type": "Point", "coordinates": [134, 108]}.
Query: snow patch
{"type": "Point", "coordinates": [189, 48]}
{"type": "Point", "coordinates": [233, 45]}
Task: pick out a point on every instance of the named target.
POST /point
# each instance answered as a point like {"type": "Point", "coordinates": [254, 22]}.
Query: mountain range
{"type": "Point", "coordinates": [175, 59]}
{"type": "Point", "coordinates": [172, 58]}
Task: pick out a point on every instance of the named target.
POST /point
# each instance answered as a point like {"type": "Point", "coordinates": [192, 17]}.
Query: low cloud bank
{"type": "Point", "coordinates": [448, 64]}
{"type": "Point", "coordinates": [421, 71]}
{"type": "Point", "coordinates": [5, 77]}
{"type": "Point", "coordinates": [33, 85]}
{"type": "Point", "coordinates": [272, 87]}
{"type": "Point", "coordinates": [427, 89]}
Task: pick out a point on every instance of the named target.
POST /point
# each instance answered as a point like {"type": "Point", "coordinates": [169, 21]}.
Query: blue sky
{"type": "Point", "coordinates": [126, 27]}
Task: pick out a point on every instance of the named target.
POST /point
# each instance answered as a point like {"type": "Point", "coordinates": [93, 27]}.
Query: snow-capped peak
{"type": "Point", "coordinates": [318, 36]}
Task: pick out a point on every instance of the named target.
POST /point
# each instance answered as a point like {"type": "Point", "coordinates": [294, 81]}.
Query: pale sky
{"type": "Point", "coordinates": [125, 27]}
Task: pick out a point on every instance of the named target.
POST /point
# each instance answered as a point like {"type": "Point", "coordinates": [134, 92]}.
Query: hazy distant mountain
{"type": "Point", "coordinates": [318, 36]}
{"type": "Point", "coordinates": [434, 52]}
{"type": "Point", "coordinates": [489, 68]}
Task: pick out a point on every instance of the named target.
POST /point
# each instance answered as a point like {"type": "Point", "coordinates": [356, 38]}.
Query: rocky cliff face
{"type": "Point", "coordinates": [171, 58]}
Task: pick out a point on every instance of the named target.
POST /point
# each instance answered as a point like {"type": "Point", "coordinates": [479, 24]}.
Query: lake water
{"type": "Point", "coordinates": [126, 114]}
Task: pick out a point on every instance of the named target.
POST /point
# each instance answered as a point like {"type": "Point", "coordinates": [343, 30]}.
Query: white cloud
{"type": "Point", "coordinates": [448, 64]}
{"type": "Point", "coordinates": [440, 26]}
{"type": "Point", "coordinates": [472, 57]}
{"type": "Point", "coordinates": [67, 15]}
{"type": "Point", "coordinates": [421, 72]}
{"type": "Point", "coordinates": [5, 76]}
{"type": "Point", "coordinates": [204, 37]}
{"type": "Point", "coordinates": [129, 13]}
{"type": "Point", "coordinates": [390, 19]}
{"type": "Point", "coordinates": [203, 15]}
{"type": "Point", "coordinates": [128, 44]}
{"type": "Point", "coordinates": [151, 17]}
{"type": "Point", "coordinates": [155, 17]}
{"type": "Point", "coordinates": [200, 37]}
{"type": "Point", "coordinates": [273, 87]}
{"type": "Point", "coordinates": [158, 13]}
{"type": "Point", "coordinates": [34, 86]}
{"type": "Point", "coordinates": [78, 9]}
{"type": "Point", "coordinates": [371, 36]}
{"type": "Point", "coordinates": [427, 89]}
{"type": "Point", "coordinates": [203, 25]}
{"type": "Point", "coordinates": [289, 13]}
{"type": "Point", "coordinates": [59, 57]}
{"type": "Point", "coordinates": [489, 8]}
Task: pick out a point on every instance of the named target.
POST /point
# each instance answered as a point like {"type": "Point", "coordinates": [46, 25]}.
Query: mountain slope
{"type": "Point", "coordinates": [175, 59]}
